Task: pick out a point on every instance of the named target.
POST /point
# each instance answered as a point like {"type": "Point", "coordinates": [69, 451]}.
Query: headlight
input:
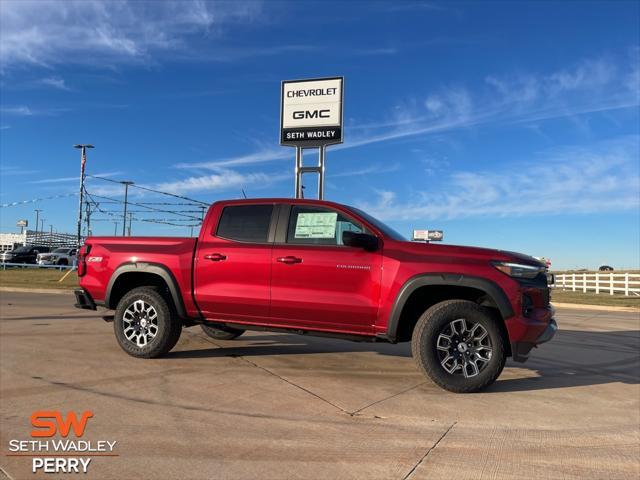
{"type": "Point", "coordinates": [519, 270]}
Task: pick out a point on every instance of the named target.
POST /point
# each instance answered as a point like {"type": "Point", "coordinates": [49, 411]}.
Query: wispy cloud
{"type": "Point", "coordinates": [568, 180]}
{"type": "Point", "coordinates": [48, 32]}
{"type": "Point", "coordinates": [55, 82]}
{"type": "Point", "coordinates": [20, 110]}
{"type": "Point", "coordinates": [371, 170]}
{"type": "Point", "coordinates": [261, 156]}
{"type": "Point", "coordinates": [72, 179]}
{"type": "Point", "coordinates": [588, 87]}
{"type": "Point", "coordinates": [6, 171]}
{"type": "Point", "coordinates": [221, 181]}
{"type": "Point", "coordinates": [26, 111]}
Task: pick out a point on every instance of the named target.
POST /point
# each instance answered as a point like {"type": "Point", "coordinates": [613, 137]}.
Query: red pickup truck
{"type": "Point", "coordinates": [321, 268]}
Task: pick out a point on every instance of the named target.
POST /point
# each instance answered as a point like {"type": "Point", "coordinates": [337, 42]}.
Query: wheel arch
{"type": "Point", "coordinates": [131, 275]}
{"type": "Point", "coordinates": [423, 291]}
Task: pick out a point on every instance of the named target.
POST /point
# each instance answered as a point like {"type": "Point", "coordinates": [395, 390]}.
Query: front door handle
{"type": "Point", "coordinates": [289, 260]}
{"type": "Point", "coordinates": [215, 257]}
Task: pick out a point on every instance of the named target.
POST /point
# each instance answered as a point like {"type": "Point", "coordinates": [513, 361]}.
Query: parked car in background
{"type": "Point", "coordinates": [26, 254]}
{"type": "Point", "coordinates": [60, 256]}
{"type": "Point", "coordinates": [605, 268]}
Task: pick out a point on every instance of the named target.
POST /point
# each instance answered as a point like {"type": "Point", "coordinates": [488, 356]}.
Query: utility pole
{"type": "Point", "coordinates": [115, 229]}
{"type": "Point", "coordinates": [88, 215]}
{"type": "Point", "coordinates": [50, 235]}
{"type": "Point", "coordinates": [130, 220]}
{"type": "Point", "coordinates": [83, 162]}
{"type": "Point", "coordinates": [37, 210]}
{"type": "Point", "coordinates": [126, 184]}
{"type": "Point", "coordinates": [42, 226]}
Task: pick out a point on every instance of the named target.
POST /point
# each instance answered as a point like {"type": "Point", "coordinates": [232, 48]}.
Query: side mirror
{"type": "Point", "coordinates": [360, 240]}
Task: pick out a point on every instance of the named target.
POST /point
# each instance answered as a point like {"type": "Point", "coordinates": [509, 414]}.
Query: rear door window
{"type": "Point", "coordinates": [245, 223]}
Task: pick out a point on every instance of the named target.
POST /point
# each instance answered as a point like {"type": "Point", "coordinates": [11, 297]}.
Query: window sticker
{"type": "Point", "coordinates": [316, 225]}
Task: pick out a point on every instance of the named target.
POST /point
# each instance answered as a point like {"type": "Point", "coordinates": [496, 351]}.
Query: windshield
{"type": "Point", "coordinates": [385, 229]}
{"type": "Point", "coordinates": [22, 250]}
{"type": "Point", "coordinates": [61, 250]}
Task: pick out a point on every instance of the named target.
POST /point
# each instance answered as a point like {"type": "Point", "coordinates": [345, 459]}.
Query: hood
{"type": "Point", "coordinates": [465, 251]}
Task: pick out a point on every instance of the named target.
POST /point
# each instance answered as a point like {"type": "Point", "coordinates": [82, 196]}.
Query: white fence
{"type": "Point", "coordinates": [600, 282]}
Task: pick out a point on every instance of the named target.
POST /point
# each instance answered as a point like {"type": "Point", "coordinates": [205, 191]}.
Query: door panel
{"type": "Point", "coordinates": [317, 285]}
{"type": "Point", "coordinates": [231, 276]}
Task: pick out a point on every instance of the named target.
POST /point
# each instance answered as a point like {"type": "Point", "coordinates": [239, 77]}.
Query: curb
{"type": "Point", "coordinates": [56, 291]}
{"type": "Point", "coordinates": [604, 308]}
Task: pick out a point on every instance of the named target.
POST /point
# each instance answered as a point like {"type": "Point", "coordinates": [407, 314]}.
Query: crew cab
{"type": "Point", "coordinates": [314, 267]}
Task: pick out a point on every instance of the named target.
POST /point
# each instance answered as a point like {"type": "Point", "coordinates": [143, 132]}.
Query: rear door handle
{"type": "Point", "coordinates": [215, 257]}
{"type": "Point", "coordinates": [289, 259]}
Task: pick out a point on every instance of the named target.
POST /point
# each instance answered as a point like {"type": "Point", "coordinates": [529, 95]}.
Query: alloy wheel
{"type": "Point", "coordinates": [464, 348]}
{"type": "Point", "coordinates": [140, 323]}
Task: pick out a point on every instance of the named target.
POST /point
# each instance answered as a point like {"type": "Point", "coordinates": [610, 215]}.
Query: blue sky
{"type": "Point", "coordinates": [512, 125]}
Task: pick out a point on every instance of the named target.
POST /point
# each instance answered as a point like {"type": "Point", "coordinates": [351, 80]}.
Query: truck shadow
{"type": "Point", "coordinates": [573, 358]}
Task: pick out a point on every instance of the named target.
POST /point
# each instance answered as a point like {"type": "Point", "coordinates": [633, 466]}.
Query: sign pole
{"type": "Point", "coordinates": [298, 184]}
{"type": "Point", "coordinates": [321, 173]}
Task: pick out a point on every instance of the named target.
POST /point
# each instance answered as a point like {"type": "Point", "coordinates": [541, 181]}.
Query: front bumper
{"type": "Point", "coordinates": [520, 349]}
{"type": "Point", "coordinates": [84, 300]}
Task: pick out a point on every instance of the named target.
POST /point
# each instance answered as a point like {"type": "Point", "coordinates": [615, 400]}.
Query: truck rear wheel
{"type": "Point", "coordinates": [145, 323]}
{"type": "Point", "coordinates": [458, 344]}
{"type": "Point", "coordinates": [218, 334]}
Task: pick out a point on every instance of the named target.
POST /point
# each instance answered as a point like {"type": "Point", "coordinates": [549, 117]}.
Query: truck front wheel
{"type": "Point", "coordinates": [226, 334]}
{"type": "Point", "coordinates": [145, 324]}
{"type": "Point", "coordinates": [459, 345]}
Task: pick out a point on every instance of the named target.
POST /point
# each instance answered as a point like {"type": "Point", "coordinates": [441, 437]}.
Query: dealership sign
{"type": "Point", "coordinates": [428, 235]}
{"type": "Point", "coordinates": [22, 223]}
{"type": "Point", "coordinates": [311, 112]}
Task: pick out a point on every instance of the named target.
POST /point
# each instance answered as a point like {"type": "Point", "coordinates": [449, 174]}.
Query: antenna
{"type": "Point", "coordinates": [243, 194]}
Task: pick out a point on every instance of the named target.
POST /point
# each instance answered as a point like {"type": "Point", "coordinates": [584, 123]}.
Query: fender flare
{"type": "Point", "coordinates": [153, 268]}
{"type": "Point", "coordinates": [490, 288]}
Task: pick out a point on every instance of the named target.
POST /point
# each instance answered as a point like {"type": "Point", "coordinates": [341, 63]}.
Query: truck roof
{"type": "Point", "coordinates": [298, 201]}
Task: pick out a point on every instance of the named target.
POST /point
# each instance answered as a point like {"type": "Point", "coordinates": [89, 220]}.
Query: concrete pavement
{"type": "Point", "coordinates": [275, 406]}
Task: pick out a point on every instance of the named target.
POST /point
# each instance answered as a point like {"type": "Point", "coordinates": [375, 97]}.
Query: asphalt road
{"type": "Point", "coordinates": [274, 406]}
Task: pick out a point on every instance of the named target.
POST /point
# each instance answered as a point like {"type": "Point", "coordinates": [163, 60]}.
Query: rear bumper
{"type": "Point", "coordinates": [84, 300]}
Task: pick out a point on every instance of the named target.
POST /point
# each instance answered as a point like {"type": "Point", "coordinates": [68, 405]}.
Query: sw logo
{"type": "Point", "coordinates": [48, 423]}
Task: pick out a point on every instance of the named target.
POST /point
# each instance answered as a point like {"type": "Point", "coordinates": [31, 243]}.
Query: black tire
{"type": "Point", "coordinates": [462, 376]}
{"type": "Point", "coordinates": [226, 334]}
{"type": "Point", "coordinates": [168, 329]}
{"type": "Point", "coordinates": [63, 261]}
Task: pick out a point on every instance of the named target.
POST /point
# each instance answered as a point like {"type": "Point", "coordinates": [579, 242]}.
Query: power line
{"type": "Point", "coordinates": [35, 200]}
{"type": "Point", "coordinates": [158, 221]}
{"type": "Point", "coordinates": [152, 190]}
{"type": "Point", "coordinates": [147, 207]}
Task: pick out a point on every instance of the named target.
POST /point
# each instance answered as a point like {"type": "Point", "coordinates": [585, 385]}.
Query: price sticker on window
{"type": "Point", "coordinates": [316, 225]}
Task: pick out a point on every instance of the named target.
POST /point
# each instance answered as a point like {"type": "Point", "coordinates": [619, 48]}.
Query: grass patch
{"type": "Point", "coordinates": [37, 278]}
{"type": "Point", "coordinates": [591, 298]}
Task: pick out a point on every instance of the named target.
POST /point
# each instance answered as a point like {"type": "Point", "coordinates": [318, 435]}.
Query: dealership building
{"type": "Point", "coordinates": [9, 241]}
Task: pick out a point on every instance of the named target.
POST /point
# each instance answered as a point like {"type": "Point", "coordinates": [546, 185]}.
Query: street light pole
{"type": "Point", "coordinates": [83, 161]}
{"type": "Point", "coordinates": [126, 184]}
{"type": "Point", "coordinates": [37, 210]}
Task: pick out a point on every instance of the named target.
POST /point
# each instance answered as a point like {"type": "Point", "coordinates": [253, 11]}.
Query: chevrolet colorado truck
{"type": "Point", "coordinates": [314, 267]}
